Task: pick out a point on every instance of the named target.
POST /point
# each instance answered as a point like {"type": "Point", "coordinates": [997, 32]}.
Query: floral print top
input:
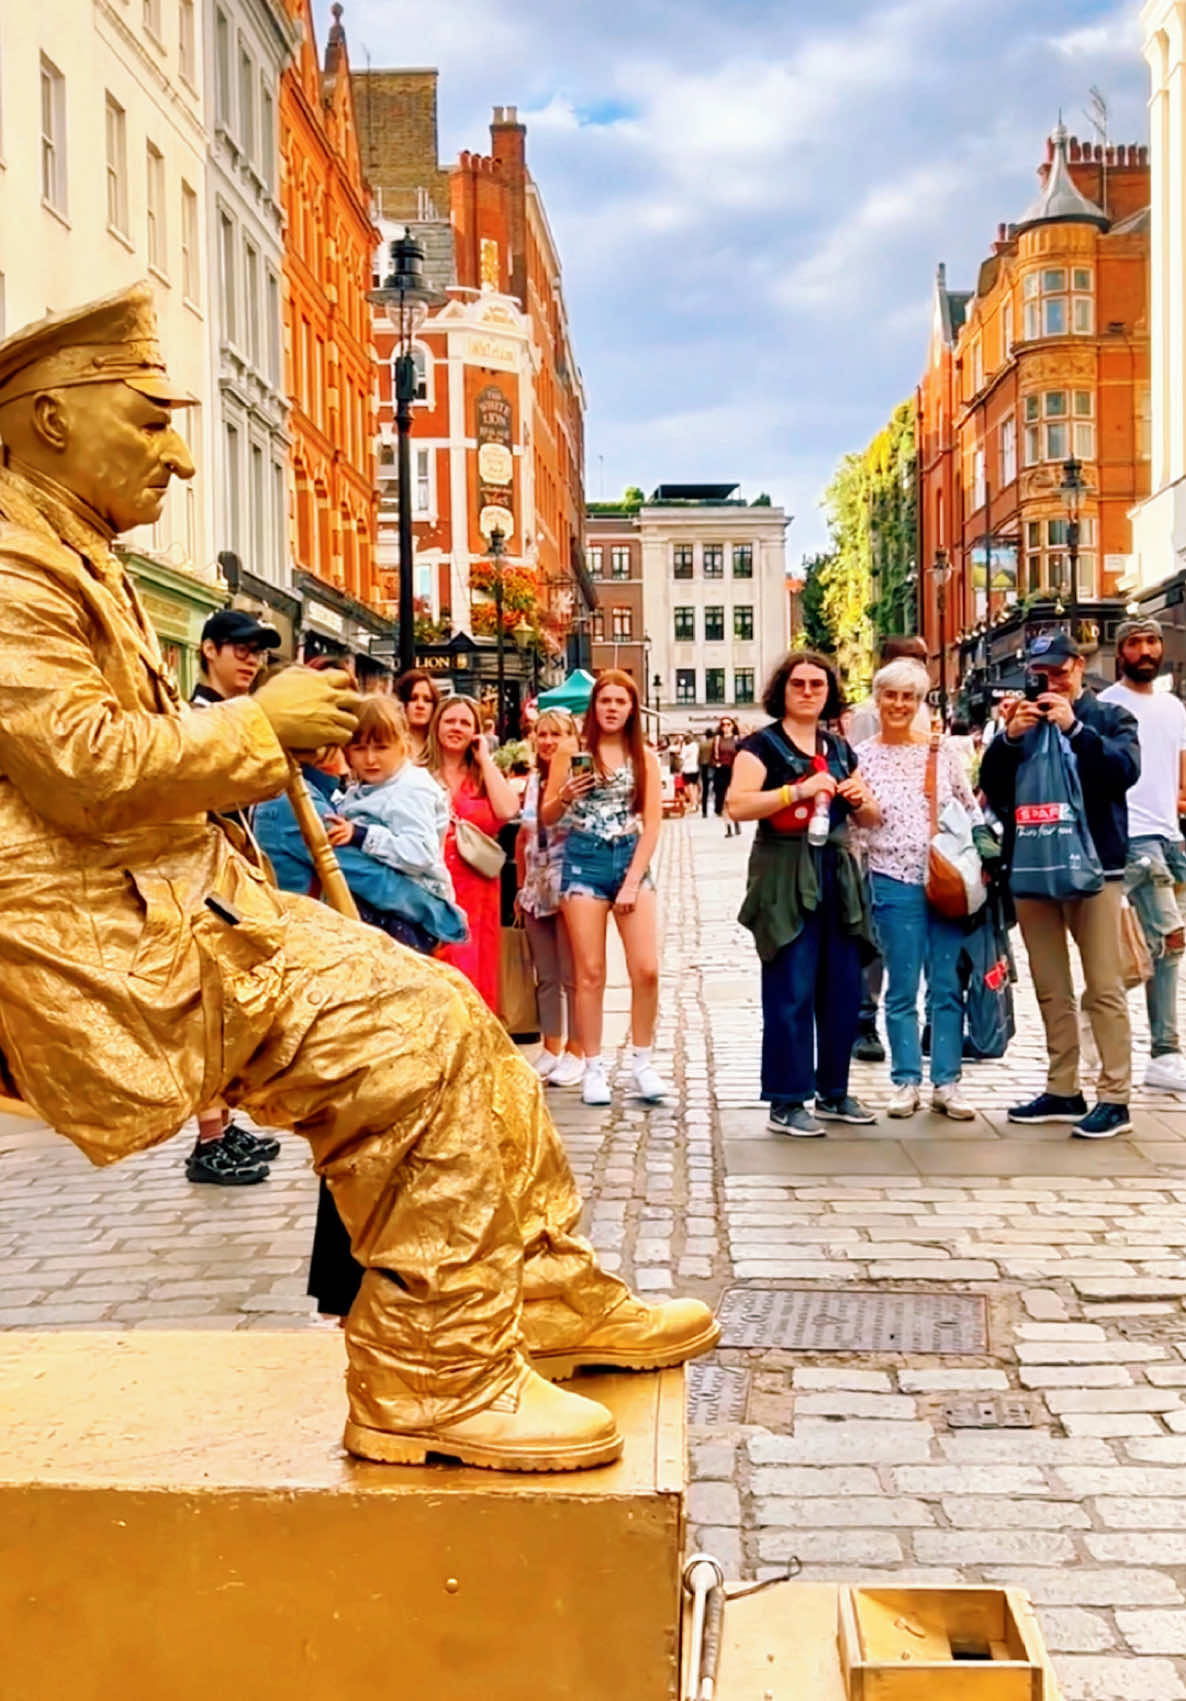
{"type": "Point", "coordinates": [543, 855]}
{"type": "Point", "coordinates": [896, 775]}
{"type": "Point", "coordinates": [608, 810]}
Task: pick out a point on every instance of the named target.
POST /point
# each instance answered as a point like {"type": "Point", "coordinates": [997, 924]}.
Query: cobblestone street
{"type": "Point", "coordinates": [1049, 1453]}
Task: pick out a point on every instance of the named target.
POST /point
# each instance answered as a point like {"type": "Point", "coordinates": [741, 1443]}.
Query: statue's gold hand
{"type": "Point", "coordinates": [308, 709]}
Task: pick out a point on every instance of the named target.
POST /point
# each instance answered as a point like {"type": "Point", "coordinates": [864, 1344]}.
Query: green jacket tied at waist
{"type": "Point", "coordinates": [783, 887]}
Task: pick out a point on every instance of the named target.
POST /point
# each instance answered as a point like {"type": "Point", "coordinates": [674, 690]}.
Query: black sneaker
{"type": "Point", "coordinates": [1050, 1107]}
{"type": "Point", "coordinates": [869, 1048]}
{"type": "Point", "coordinates": [1103, 1122]}
{"type": "Point", "coordinates": [215, 1162]}
{"type": "Point", "coordinates": [793, 1119]}
{"type": "Point", "coordinates": [252, 1148]}
{"type": "Point", "coordinates": [846, 1109]}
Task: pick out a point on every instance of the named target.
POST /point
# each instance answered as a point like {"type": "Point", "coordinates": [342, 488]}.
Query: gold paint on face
{"type": "Point", "coordinates": [115, 449]}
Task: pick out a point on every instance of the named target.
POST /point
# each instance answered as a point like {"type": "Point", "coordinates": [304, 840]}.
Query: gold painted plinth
{"type": "Point", "coordinates": [181, 1524]}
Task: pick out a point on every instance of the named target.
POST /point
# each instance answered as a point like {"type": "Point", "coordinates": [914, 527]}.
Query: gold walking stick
{"type": "Point", "coordinates": [325, 864]}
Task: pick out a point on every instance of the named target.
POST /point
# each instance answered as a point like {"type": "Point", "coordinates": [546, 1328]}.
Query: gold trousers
{"type": "Point", "coordinates": [446, 1169]}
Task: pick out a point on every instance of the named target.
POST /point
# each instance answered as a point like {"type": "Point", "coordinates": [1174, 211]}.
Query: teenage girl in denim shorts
{"type": "Point", "coordinates": [611, 805]}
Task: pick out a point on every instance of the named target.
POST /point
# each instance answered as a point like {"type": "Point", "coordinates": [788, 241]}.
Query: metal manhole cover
{"type": "Point", "coordinates": [860, 1320]}
{"type": "Point", "coordinates": [717, 1394]}
{"type": "Point", "coordinates": [996, 1411]}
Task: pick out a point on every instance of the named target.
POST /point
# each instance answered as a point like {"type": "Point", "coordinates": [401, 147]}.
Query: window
{"type": "Point", "coordinates": [743, 624]}
{"type": "Point", "coordinates": [258, 505]}
{"type": "Point", "coordinates": [1084, 440]}
{"type": "Point", "coordinates": [714, 625]}
{"type": "Point", "coordinates": [685, 684]}
{"type": "Point", "coordinates": [979, 494]}
{"type": "Point", "coordinates": [743, 685]}
{"type": "Point", "coordinates": [251, 301]}
{"type": "Point", "coordinates": [743, 560]}
{"type": "Point", "coordinates": [1047, 564]}
{"type": "Point", "coordinates": [267, 135]}
{"type": "Point", "coordinates": [152, 18]}
{"type": "Point", "coordinates": [977, 366]}
{"type": "Point", "coordinates": [246, 104]}
{"type": "Point", "coordinates": [681, 565]}
{"type": "Point", "coordinates": [226, 276]}
{"type": "Point", "coordinates": [714, 685]}
{"type": "Point", "coordinates": [594, 559]}
{"type": "Point", "coordinates": [420, 365]}
{"type": "Point", "coordinates": [1008, 449]}
{"type": "Point", "coordinates": [620, 562]}
{"type": "Point", "coordinates": [222, 68]}
{"type": "Point", "coordinates": [1057, 301]}
{"type": "Point", "coordinates": [1049, 433]}
{"type": "Point", "coordinates": [622, 623]}
{"type": "Point", "coordinates": [1007, 328]}
{"type": "Point", "coordinates": [714, 561]}
{"type": "Point", "coordinates": [232, 487]}
{"type": "Point", "coordinates": [685, 625]}
{"type": "Point", "coordinates": [191, 276]}
{"type": "Point", "coordinates": [423, 495]}
{"type": "Point", "coordinates": [117, 166]}
{"type": "Point", "coordinates": [599, 623]}
{"type": "Point", "coordinates": [154, 204]}
{"type": "Point", "coordinates": [273, 327]}
{"type": "Point", "coordinates": [186, 48]}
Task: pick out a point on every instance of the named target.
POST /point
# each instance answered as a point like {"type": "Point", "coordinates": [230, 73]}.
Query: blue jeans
{"type": "Point", "coordinates": [1155, 885]}
{"type": "Point", "coordinates": [811, 999]}
{"type": "Point", "coordinates": [913, 938]}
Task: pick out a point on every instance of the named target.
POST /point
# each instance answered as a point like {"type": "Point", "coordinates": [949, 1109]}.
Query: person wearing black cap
{"type": "Point", "coordinates": [234, 644]}
{"type": "Point", "coordinates": [1105, 741]}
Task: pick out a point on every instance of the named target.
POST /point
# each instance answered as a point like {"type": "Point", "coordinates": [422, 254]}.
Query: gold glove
{"type": "Point", "coordinates": [308, 708]}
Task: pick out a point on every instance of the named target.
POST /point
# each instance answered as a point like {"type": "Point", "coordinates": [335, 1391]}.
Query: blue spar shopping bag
{"type": "Point", "coordinates": [1053, 855]}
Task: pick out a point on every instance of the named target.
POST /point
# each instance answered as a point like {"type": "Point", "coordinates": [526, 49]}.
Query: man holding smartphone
{"type": "Point", "coordinates": [1105, 742]}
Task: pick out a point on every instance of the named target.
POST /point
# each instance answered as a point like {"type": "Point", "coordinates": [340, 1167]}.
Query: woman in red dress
{"type": "Point", "coordinates": [458, 756]}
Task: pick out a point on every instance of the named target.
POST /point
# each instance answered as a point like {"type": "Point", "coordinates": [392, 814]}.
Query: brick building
{"type": "Point", "coordinates": [498, 428]}
{"type": "Point", "coordinates": [616, 628]}
{"type": "Point", "coordinates": [1045, 361]}
{"type": "Point", "coordinates": [328, 255]}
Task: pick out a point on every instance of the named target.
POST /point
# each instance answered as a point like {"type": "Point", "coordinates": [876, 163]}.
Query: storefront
{"type": "Point", "coordinates": [334, 624]}
{"type": "Point", "coordinates": [270, 605]}
{"type": "Point", "coordinates": [178, 605]}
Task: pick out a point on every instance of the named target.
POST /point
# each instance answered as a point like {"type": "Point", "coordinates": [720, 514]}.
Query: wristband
{"type": "Point", "coordinates": [787, 795]}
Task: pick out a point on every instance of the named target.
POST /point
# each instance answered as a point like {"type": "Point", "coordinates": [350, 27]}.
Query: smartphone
{"type": "Point", "coordinates": [1035, 685]}
{"type": "Point", "coordinates": [582, 762]}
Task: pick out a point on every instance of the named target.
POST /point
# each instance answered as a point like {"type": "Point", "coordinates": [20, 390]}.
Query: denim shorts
{"type": "Point", "coordinates": [596, 867]}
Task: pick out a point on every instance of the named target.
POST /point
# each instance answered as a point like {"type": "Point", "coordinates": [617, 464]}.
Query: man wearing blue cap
{"type": "Point", "coordinates": [1105, 741]}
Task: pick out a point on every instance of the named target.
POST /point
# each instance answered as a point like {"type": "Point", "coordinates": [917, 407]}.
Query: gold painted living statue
{"type": "Point", "coordinates": [148, 967]}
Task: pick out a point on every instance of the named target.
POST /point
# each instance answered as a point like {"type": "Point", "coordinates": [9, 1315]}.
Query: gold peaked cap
{"type": "Point", "coordinates": [109, 341]}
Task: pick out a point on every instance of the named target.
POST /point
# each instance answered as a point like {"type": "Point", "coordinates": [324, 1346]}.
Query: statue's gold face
{"type": "Point", "coordinates": [118, 451]}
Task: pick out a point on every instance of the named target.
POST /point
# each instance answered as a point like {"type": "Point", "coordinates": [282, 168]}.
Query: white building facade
{"type": "Point", "coordinates": [715, 604]}
{"type": "Point", "coordinates": [246, 45]}
{"type": "Point", "coordinates": [1159, 523]}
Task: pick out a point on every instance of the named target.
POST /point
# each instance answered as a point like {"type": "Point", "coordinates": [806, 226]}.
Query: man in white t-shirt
{"type": "Point", "coordinates": [1155, 874]}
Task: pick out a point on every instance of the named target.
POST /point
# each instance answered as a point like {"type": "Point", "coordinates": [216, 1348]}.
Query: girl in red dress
{"type": "Point", "coordinates": [458, 756]}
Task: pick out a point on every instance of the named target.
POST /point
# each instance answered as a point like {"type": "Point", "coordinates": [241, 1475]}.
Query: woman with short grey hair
{"type": "Point", "coordinates": [900, 766]}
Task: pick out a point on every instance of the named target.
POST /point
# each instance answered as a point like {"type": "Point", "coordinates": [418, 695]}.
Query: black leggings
{"type": "Point", "coordinates": [720, 785]}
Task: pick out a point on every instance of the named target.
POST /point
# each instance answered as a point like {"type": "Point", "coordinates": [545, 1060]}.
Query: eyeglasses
{"type": "Point", "coordinates": [246, 652]}
{"type": "Point", "coordinates": [808, 684]}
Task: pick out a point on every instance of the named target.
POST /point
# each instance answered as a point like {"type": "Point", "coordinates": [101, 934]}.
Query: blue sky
{"type": "Point", "coordinates": [750, 197]}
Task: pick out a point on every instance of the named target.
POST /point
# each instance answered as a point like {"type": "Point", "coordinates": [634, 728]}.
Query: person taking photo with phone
{"type": "Point", "coordinates": [608, 795]}
{"type": "Point", "coordinates": [1104, 741]}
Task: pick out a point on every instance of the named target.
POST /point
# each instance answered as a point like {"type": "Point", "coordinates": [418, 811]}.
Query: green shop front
{"type": "Point", "coordinates": [178, 604]}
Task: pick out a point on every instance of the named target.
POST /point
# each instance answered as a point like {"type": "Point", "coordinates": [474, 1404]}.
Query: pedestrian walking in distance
{"type": "Point", "coordinates": [724, 750]}
{"type": "Point", "coordinates": [1155, 876]}
{"type": "Point", "coordinates": [805, 902]}
{"type": "Point", "coordinates": [897, 764]}
{"type": "Point", "coordinates": [704, 750]}
{"type": "Point", "coordinates": [1104, 741]}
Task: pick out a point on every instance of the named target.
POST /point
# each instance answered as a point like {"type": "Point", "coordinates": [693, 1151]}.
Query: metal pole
{"type": "Point", "coordinates": [1073, 550]}
{"type": "Point", "coordinates": [405, 390]}
{"type": "Point", "coordinates": [941, 599]}
{"type": "Point", "coordinates": [500, 718]}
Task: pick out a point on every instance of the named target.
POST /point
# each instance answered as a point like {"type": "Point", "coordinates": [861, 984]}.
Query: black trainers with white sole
{"type": "Point", "coordinates": [1103, 1123]}
{"type": "Point", "coordinates": [1050, 1107]}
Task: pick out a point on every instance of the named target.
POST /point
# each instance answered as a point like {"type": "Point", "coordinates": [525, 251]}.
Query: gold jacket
{"type": "Point", "coordinates": [116, 979]}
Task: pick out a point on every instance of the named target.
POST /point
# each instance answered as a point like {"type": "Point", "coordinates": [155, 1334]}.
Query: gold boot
{"type": "Point", "coordinates": [531, 1426]}
{"type": "Point", "coordinates": [635, 1336]}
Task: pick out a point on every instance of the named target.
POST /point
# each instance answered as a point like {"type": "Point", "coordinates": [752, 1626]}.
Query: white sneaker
{"type": "Point", "coordinates": [567, 1072]}
{"type": "Point", "coordinates": [545, 1064]}
{"type": "Point", "coordinates": [595, 1085]}
{"type": "Point", "coordinates": [1167, 1074]}
{"type": "Point", "coordinates": [648, 1084]}
{"type": "Point", "coordinates": [904, 1101]}
{"type": "Point", "coordinates": [949, 1101]}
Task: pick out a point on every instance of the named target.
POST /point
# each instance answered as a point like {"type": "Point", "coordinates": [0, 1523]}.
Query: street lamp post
{"type": "Point", "coordinates": [496, 544]}
{"type": "Point", "coordinates": [942, 573]}
{"type": "Point", "coordinates": [406, 299]}
{"type": "Point", "coordinates": [523, 632]}
{"type": "Point", "coordinates": [1071, 491]}
{"type": "Point", "coordinates": [646, 670]}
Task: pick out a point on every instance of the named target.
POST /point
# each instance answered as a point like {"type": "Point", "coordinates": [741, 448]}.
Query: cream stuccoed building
{"type": "Point", "coordinates": [1159, 523]}
{"type": "Point", "coordinates": [715, 605]}
{"type": "Point", "coordinates": [102, 182]}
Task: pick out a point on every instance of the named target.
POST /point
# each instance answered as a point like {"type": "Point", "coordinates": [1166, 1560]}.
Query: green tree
{"type": "Point", "coordinates": [762, 501]}
{"type": "Point", "coordinates": [817, 635]}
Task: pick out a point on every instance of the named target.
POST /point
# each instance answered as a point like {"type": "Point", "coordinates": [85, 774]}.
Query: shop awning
{"type": "Point", "coordinates": [573, 694]}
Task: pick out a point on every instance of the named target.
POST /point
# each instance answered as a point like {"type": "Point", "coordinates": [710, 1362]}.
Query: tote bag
{"type": "Point", "coordinates": [517, 998]}
{"type": "Point", "coordinates": [1053, 854]}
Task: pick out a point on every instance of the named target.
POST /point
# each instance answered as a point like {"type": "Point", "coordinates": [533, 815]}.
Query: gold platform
{"type": "Point", "coordinates": [181, 1524]}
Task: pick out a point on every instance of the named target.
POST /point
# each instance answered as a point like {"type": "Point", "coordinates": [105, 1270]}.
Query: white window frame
{"type": "Point", "coordinates": [424, 495]}
{"type": "Point", "coordinates": [224, 81]}
{"type": "Point", "coordinates": [619, 554]}
{"type": "Point", "coordinates": [151, 16]}
{"type": "Point", "coordinates": [155, 203]}
{"type": "Point", "coordinates": [115, 141]}
{"type": "Point", "coordinates": [621, 623]}
{"type": "Point", "coordinates": [245, 92]}
{"type": "Point", "coordinates": [684, 675]}
{"type": "Point", "coordinates": [275, 328]}
{"type": "Point", "coordinates": [252, 285]}
{"type": "Point", "coordinates": [1008, 449]}
{"type": "Point", "coordinates": [191, 248]}
{"type": "Point", "coordinates": [228, 290]}
{"type": "Point", "coordinates": [979, 482]}
{"type": "Point", "coordinates": [187, 43]}
{"type": "Point", "coordinates": [267, 134]}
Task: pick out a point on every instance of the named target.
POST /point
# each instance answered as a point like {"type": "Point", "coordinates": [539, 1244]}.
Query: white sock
{"type": "Point", "coordinates": [642, 1056]}
{"type": "Point", "coordinates": [593, 1062]}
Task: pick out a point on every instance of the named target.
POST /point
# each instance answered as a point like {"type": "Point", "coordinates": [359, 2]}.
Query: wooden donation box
{"type": "Point", "coordinates": [180, 1523]}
